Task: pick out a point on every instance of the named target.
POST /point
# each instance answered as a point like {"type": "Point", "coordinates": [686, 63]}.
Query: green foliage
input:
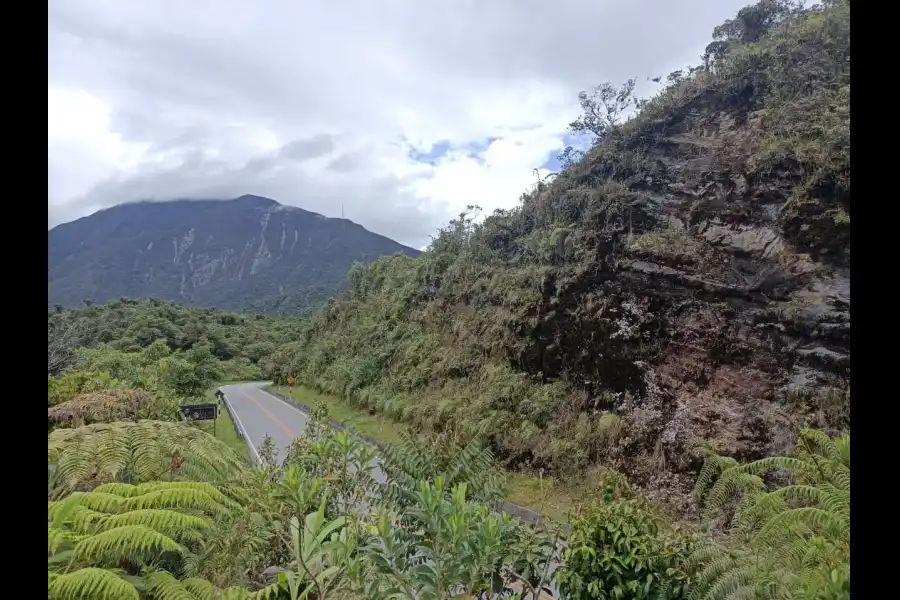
{"type": "Point", "coordinates": [425, 459]}
{"type": "Point", "coordinates": [113, 542]}
{"type": "Point", "coordinates": [136, 452]}
{"type": "Point", "coordinates": [90, 584]}
{"type": "Point", "coordinates": [131, 325]}
{"type": "Point", "coordinates": [453, 547]}
{"type": "Point", "coordinates": [521, 326]}
{"type": "Point", "coordinates": [789, 542]}
{"type": "Point", "coordinates": [620, 549]}
{"type": "Point", "coordinates": [73, 383]}
{"type": "Point", "coordinates": [510, 338]}
{"type": "Point", "coordinates": [105, 407]}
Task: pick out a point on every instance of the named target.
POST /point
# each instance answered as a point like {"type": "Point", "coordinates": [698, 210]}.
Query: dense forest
{"type": "Point", "coordinates": [604, 326]}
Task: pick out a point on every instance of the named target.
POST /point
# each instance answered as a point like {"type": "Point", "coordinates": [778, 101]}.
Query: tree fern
{"type": "Point", "coordinates": [132, 543]}
{"type": "Point", "coordinates": [791, 542]}
{"type": "Point", "coordinates": [90, 584]}
{"type": "Point", "coordinates": [133, 527]}
{"type": "Point", "coordinates": [130, 452]}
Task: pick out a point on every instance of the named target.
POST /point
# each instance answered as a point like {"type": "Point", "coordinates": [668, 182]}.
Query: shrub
{"type": "Point", "coordinates": [621, 549]}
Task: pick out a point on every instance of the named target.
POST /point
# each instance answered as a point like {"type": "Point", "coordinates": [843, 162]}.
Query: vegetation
{"type": "Point", "coordinates": [596, 323]}
{"type": "Point", "coordinates": [515, 342]}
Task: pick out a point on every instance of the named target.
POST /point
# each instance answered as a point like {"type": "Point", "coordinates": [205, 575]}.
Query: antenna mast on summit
{"type": "Point", "coordinates": [342, 210]}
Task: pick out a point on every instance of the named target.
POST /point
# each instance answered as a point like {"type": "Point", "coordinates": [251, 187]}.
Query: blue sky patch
{"type": "Point", "coordinates": [579, 142]}
{"type": "Point", "coordinates": [432, 155]}
{"type": "Point", "coordinates": [444, 147]}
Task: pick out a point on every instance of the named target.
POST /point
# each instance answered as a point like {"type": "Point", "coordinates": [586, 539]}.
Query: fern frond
{"type": "Point", "coordinates": [817, 443]}
{"type": "Point", "coordinates": [715, 568]}
{"type": "Point", "coordinates": [101, 501]}
{"type": "Point", "coordinates": [127, 543]}
{"type": "Point", "coordinates": [808, 520]}
{"type": "Point", "coordinates": [162, 585]}
{"type": "Point", "coordinates": [797, 538]}
{"type": "Point", "coordinates": [126, 490]}
{"type": "Point", "coordinates": [200, 589]}
{"type": "Point", "coordinates": [58, 538]}
{"type": "Point", "coordinates": [710, 472]}
{"type": "Point", "coordinates": [103, 406]}
{"type": "Point", "coordinates": [138, 452]}
{"type": "Point", "coordinates": [90, 584]}
{"type": "Point", "coordinates": [178, 526]}
{"type": "Point", "coordinates": [744, 592]}
{"type": "Point", "coordinates": [773, 463]}
{"type": "Point", "coordinates": [175, 498]}
{"type": "Point", "coordinates": [732, 483]}
{"type": "Point", "coordinates": [213, 491]}
{"type": "Point", "coordinates": [270, 592]}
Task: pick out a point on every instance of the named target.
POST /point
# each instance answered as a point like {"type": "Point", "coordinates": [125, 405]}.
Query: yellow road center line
{"type": "Point", "coordinates": [284, 428]}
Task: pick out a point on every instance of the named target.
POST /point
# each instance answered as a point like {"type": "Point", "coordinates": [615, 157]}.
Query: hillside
{"type": "Point", "coordinates": [242, 342]}
{"type": "Point", "coordinates": [250, 254]}
{"type": "Point", "coordinates": [682, 287]}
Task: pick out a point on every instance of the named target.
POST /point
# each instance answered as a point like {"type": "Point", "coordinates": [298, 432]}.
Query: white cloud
{"type": "Point", "coordinates": [324, 104]}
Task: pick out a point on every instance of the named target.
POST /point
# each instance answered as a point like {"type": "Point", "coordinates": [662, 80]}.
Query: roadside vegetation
{"type": "Point", "coordinates": [472, 365]}
{"type": "Point", "coordinates": [548, 331]}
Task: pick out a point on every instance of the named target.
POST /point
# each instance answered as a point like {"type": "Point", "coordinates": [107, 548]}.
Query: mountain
{"type": "Point", "coordinates": [249, 254]}
{"type": "Point", "coordinates": [683, 287]}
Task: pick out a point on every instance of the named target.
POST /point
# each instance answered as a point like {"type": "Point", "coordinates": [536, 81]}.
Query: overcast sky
{"type": "Point", "coordinates": [402, 111]}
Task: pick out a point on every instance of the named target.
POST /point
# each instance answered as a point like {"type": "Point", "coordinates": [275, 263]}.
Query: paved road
{"type": "Point", "coordinates": [259, 414]}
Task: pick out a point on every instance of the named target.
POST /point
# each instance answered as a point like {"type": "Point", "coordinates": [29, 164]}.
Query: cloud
{"type": "Point", "coordinates": [399, 112]}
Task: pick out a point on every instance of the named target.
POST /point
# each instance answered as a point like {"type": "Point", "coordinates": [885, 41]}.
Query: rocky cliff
{"type": "Point", "coordinates": [247, 254]}
{"type": "Point", "coordinates": [681, 288]}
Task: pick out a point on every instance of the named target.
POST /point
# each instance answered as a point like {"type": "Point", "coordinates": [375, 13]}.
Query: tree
{"type": "Point", "coordinates": [750, 24]}
{"type": "Point", "coordinates": [602, 110]}
{"type": "Point", "coordinates": [62, 338]}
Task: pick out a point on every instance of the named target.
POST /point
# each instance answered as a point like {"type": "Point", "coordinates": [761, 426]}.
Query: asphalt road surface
{"type": "Point", "coordinates": [258, 413]}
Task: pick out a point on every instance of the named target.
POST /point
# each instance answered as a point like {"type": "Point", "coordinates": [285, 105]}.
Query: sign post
{"type": "Point", "coordinates": [291, 382]}
{"type": "Point", "coordinates": [200, 412]}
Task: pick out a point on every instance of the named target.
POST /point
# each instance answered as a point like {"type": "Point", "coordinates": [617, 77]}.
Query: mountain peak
{"type": "Point", "coordinates": [247, 254]}
{"type": "Point", "coordinates": [254, 200]}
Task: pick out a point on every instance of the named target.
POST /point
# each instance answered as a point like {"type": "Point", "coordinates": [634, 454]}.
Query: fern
{"type": "Point", "coordinates": [138, 528]}
{"type": "Point", "coordinates": [126, 543]}
{"type": "Point", "coordinates": [90, 584]}
{"type": "Point", "coordinates": [103, 407]}
{"type": "Point", "coordinates": [791, 542]}
{"type": "Point", "coordinates": [137, 452]}
{"type": "Point", "coordinates": [412, 460]}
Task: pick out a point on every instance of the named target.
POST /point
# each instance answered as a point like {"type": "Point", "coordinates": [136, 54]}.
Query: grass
{"type": "Point", "coordinates": [374, 426]}
{"type": "Point", "coordinates": [224, 427]}
{"type": "Point", "coordinates": [551, 497]}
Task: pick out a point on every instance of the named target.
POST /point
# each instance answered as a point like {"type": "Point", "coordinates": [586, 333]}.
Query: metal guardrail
{"type": "Point", "coordinates": [253, 453]}
{"type": "Point", "coordinates": [520, 512]}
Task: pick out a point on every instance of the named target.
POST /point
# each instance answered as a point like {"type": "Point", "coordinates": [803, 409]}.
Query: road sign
{"type": "Point", "coordinates": [291, 381]}
{"type": "Point", "coordinates": [199, 412]}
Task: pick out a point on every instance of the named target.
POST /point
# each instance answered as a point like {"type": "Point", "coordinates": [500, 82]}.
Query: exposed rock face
{"type": "Point", "coordinates": [722, 326]}
{"type": "Point", "coordinates": [237, 255]}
